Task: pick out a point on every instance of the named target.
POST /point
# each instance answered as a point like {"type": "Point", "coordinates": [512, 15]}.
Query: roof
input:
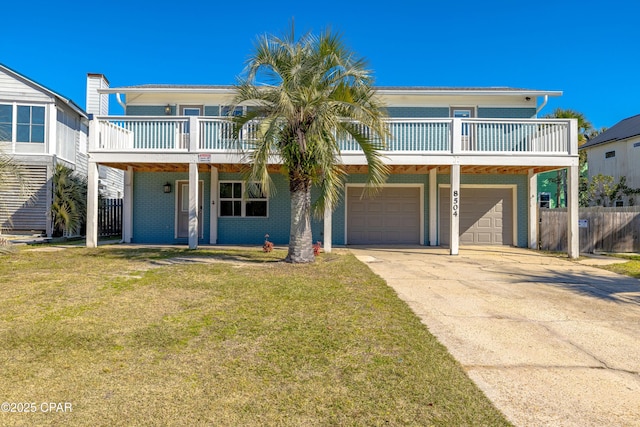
{"type": "Point", "coordinates": [45, 89]}
{"type": "Point", "coordinates": [624, 129]}
{"type": "Point", "coordinates": [387, 90]}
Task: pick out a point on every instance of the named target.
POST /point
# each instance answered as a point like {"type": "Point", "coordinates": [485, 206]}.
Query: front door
{"type": "Point", "coordinates": [182, 209]}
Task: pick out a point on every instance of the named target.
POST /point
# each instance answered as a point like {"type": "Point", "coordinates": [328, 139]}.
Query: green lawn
{"type": "Point", "coordinates": [630, 268]}
{"type": "Point", "coordinates": [218, 337]}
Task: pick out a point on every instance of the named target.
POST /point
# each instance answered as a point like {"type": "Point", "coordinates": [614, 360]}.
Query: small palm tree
{"type": "Point", "coordinates": [69, 208]}
{"type": "Point", "coordinates": [12, 178]}
{"type": "Point", "coordinates": [305, 96]}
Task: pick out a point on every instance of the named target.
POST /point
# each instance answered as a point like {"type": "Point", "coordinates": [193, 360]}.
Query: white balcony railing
{"type": "Point", "coordinates": [442, 136]}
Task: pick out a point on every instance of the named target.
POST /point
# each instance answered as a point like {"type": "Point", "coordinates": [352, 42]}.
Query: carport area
{"type": "Point", "coordinates": [550, 341]}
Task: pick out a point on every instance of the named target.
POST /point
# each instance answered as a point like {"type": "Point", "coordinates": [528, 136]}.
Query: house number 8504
{"type": "Point", "coordinates": [454, 205]}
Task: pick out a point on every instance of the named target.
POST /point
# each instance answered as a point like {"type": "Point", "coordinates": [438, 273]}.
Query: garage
{"type": "Point", "coordinates": [486, 215]}
{"type": "Point", "coordinates": [391, 217]}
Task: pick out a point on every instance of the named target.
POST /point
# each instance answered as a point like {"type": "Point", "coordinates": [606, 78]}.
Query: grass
{"type": "Point", "coordinates": [630, 268]}
{"type": "Point", "coordinates": [211, 337]}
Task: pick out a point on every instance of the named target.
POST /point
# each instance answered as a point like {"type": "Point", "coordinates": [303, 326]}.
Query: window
{"type": "Point", "coordinates": [30, 124]}
{"type": "Point", "coordinates": [609, 154]}
{"type": "Point", "coordinates": [619, 203]}
{"type": "Point", "coordinates": [6, 122]}
{"type": "Point", "coordinates": [242, 200]}
{"type": "Point", "coordinates": [226, 111]}
{"type": "Point", "coordinates": [545, 200]}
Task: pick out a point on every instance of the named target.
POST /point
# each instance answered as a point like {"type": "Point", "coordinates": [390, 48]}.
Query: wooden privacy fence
{"type": "Point", "coordinates": [110, 217]}
{"type": "Point", "coordinates": [600, 229]}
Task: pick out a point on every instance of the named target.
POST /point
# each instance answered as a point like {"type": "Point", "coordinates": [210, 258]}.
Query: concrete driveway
{"type": "Point", "coordinates": [551, 342]}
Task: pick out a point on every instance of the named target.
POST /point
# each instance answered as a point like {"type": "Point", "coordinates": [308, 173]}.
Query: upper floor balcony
{"type": "Point", "coordinates": [414, 136]}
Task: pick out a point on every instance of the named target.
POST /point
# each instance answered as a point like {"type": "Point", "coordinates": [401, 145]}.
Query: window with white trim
{"type": "Point", "coordinates": [6, 122]}
{"type": "Point", "coordinates": [238, 199]}
{"type": "Point", "coordinates": [28, 120]}
{"type": "Point", "coordinates": [30, 124]}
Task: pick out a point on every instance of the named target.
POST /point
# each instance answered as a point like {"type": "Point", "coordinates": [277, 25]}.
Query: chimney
{"type": "Point", "coordinates": [97, 103]}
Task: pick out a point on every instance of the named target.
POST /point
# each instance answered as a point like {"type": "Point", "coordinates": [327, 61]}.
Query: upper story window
{"type": "Point", "coordinates": [237, 201]}
{"type": "Point", "coordinates": [6, 122]}
{"type": "Point", "coordinates": [29, 121]}
{"type": "Point", "coordinates": [609, 154]}
{"type": "Point", "coordinates": [30, 124]}
{"type": "Point", "coordinates": [226, 111]}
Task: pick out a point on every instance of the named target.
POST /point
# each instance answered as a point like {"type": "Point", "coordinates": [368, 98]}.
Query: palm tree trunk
{"type": "Point", "coordinates": [300, 239]}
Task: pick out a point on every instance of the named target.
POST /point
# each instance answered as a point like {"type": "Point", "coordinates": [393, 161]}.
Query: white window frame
{"type": "Point", "coordinates": [244, 199]}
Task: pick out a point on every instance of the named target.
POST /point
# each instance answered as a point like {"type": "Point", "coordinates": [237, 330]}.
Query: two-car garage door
{"type": "Point", "coordinates": [486, 216]}
{"type": "Point", "coordinates": [391, 217]}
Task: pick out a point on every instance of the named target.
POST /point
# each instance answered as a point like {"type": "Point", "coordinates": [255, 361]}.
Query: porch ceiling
{"type": "Point", "coordinates": [351, 169]}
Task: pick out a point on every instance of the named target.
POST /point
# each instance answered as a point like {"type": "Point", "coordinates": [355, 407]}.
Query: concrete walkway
{"type": "Point", "coordinates": [551, 342]}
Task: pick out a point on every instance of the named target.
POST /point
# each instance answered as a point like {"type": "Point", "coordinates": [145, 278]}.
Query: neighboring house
{"type": "Point", "coordinates": [616, 152]}
{"type": "Point", "coordinates": [39, 128]}
{"type": "Point", "coordinates": [464, 165]}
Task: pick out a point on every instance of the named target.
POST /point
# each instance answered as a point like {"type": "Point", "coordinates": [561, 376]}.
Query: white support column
{"type": "Point", "coordinates": [573, 242]}
{"type": "Point", "coordinates": [327, 229]}
{"type": "Point", "coordinates": [193, 206]}
{"type": "Point", "coordinates": [194, 134]}
{"type": "Point", "coordinates": [50, 172]}
{"type": "Point", "coordinates": [433, 207]}
{"type": "Point", "coordinates": [52, 133]}
{"type": "Point", "coordinates": [454, 213]}
{"type": "Point", "coordinates": [127, 206]}
{"type": "Point", "coordinates": [92, 204]}
{"type": "Point", "coordinates": [533, 209]}
{"type": "Point", "coordinates": [213, 212]}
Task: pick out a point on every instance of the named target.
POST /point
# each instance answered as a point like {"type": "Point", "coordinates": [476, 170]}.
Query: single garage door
{"type": "Point", "coordinates": [486, 216]}
{"type": "Point", "coordinates": [391, 217]}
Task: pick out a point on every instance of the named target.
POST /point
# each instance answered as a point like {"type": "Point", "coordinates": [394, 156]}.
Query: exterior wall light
{"type": "Point", "coordinates": [167, 188]}
{"type": "Point", "coordinates": [167, 110]}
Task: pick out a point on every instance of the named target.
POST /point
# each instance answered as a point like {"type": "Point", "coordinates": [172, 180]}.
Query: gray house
{"type": "Point", "coordinates": [40, 129]}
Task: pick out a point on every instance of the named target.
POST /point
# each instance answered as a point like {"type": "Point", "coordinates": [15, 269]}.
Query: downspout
{"type": "Point", "coordinates": [124, 107]}
{"type": "Point", "coordinates": [546, 99]}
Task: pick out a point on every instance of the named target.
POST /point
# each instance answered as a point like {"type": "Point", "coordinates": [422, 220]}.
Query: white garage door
{"type": "Point", "coordinates": [391, 217]}
{"type": "Point", "coordinates": [486, 216]}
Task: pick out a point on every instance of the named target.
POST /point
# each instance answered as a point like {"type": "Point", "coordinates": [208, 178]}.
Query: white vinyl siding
{"type": "Point", "coordinates": [21, 213]}
{"type": "Point", "coordinates": [13, 88]}
{"type": "Point", "coordinates": [68, 136]}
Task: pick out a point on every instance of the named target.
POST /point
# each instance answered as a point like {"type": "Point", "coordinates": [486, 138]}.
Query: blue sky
{"type": "Point", "coordinates": [586, 48]}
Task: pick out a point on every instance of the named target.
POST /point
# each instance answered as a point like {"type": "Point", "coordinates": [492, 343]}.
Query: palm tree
{"type": "Point", "coordinates": [312, 93]}
{"type": "Point", "coordinates": [12, 178]}
{"type": "Point", "coordinates": [585, 131]}
{"type": "Point", "coordinates": [69, 207]}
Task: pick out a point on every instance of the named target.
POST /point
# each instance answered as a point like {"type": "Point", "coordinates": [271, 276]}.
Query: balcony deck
{"type": "Point", "coordinates": [546, 143]}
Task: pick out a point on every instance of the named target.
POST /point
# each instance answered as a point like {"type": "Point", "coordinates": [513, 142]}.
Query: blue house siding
{"type": "Point", "coordinates": [506, 113]}
{"type": "Point", "coordinates": [154, 211]}
{"type": "Point", "coordinates": [522, 202]}
{"type": "Point", "coordinates": [211, 110]}
{"type": "Point", "coordinates": [148, 110]}
{"type": "Point", "coordinates": [422, 112]}
{"type": "Point", "coordinates": [251, 231]}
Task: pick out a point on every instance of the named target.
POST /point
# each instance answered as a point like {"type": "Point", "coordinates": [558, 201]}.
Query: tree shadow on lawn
{"type": "Point", "coordinates": [164, 254]}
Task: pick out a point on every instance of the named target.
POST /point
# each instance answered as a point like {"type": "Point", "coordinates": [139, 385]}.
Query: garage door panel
{"type": "Point", "coordinates": [486, 216]}
{"type": "Point", "coordinates": [392, 217]}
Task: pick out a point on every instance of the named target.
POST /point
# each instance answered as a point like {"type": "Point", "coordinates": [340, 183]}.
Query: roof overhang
{"type": "Point", "coordinates": [424, 91]}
